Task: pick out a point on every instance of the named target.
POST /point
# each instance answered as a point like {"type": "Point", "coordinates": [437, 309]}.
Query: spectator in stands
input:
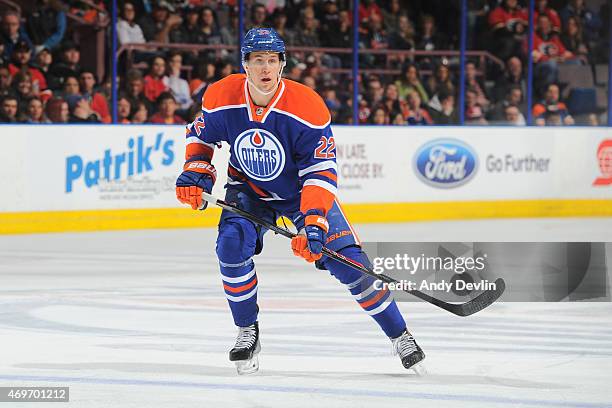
{"type": "Point", "coordinates": [208, 32]}
{"type": "Point", "coordinates": [156, 82]}
{"type": "Point", "coordinates": [157, 25]}
{"type": "Point", "coordinates": [391, 15]}
{"type": "Point", "coordinates": [415, 114]}
{"type": "Point", "coordinates": [430, 38]}
{"type": "Point", "coordinates": [71, 87]}
{"type": "Point", "coordinates": [548, 51]}
{"type": "Point", "coordinates": [573, 40]}
{"type": "Point", "coordinates": [294, 69]}
{"type": "Point", "coordinates": [97, 101]}
{"type": "Point", "coordinates": [35, 112]}
{"type": "Point", "coordinates": [440, 79]}
{"type": "Point", "coordinates": [474, 112]}
{"type": "Point", "coordinates": [367, 9]}
{"type": "Point", "coordinates": [391, 100]}
{"type": "Point", "coordinates": [8, 109]}
{"type": "Point", "coordinates": [550, 109]}
{"type": "Point", "coordinates": [279, 23]}
{"type": "Point", "coordinates": [379, 116]}
{"type": "Point", "coordinates": [22, 55]}
{"type": "Point", "coordinates": [310, 82]}
{"type": "Point", "coordinates": [308, 35]}
{"type": "Point", "coordinates": [229, 36]}
{"type": "Point", "coordinates": [124, 110]}
{"type": "Point", "coordinates": [340, 35]}
{"type": "Point", "coordinates": [409, 81]}
{"type": "Point", "coordinates": [589, 20]}
{"type": "Point", "coordinates": [177, 85]}
{"type": "Point", "coordinates": [399, 120]}
{"type": "Point", "coordinates": [402, 38]}
{"type": "Point", "coordinates": [442, 108]}
{"type": "Point", "coordinates": [376, 39]}
{"type": "Point", "coordinates": [57, 110]}
{"type": "Point", "coordinates": [259, 16]}
{"type": "Point", "coordinates": [24, 89]}
{"type": "Point", "coordinates": [166, 108]}
{"type": "Point", "coordinates": [69, 65]}
{"type": "Point", "coordinates": [11, 34]}
{"type": "Point", "coordinates": [541, 7]}
{"type": "Point", "coordinates": [5, 81]}
{"type": "Point", "coordinates": [135, 90]}
{"type": "Point", "coordinates": [514, 97]}
{"type": "Point", "coordinates": [43, 62]}
{"type": "Point", "coordinates": [375, 92]}
{"type": "Point", "coordinates": [329, 21]}
{"type": "Point", "coordinates": [508, 24]}
{"type": "Point", "coordinates": [46, 24]}
{"type": "Point", "coordinates": [81, 111]}
{"type": "Point", "coordinates": [333, 103]}
{"type": "Point", "coordinates": [224, 68]}
{"type": "Point", "coordinates": [512, 77]}
{"type": "Point", "coordinates": [513, 116]}
{"type": "Point", "coordinates": [141, 113]}
{"type": "Point", "coordinates": [187, 32]}
{"type": "Point", "coordinates": [476, 84]}
{"type": "Point", "coordinates": [128, 31]}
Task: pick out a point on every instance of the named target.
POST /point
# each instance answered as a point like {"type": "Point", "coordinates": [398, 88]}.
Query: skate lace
{"type": "Point", "coordinates": [246, 337]}
{"type": "Point", "coordinates": [404, 345]}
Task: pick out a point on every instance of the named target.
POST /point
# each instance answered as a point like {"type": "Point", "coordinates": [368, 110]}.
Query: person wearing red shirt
{"type": "Point", "coordinates": [22, 55]}
{"type": "Point", "coordinates": [548, 51]}
{"type": "Point", "coordinates": [508, 24]}
{"type": "Point", "coordinates": [155, 83]}
{"type": "Point", "coordinates": [166, 108]}
{"type": "Point", "coordinates": [97, 101]}
{"type": "Point", "coordinates": [541, 7]}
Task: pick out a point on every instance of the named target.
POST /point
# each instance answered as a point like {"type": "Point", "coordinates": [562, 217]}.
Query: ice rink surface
{"type": "Point", "coordinates": [138, 319]}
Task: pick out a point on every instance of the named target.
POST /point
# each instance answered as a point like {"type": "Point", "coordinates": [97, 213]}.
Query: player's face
{"type": "Point", "coordinates": [264, 70]}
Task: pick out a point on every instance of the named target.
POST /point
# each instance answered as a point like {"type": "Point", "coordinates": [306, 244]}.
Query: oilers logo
{"type": "Point", "coordinates": [260, 154]}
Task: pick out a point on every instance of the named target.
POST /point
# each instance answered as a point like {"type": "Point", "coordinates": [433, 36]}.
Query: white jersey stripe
{"type": "Point", "coordinates": [365, 293]}
{"type": "Point", "coordinates": [379, 308]}
{"type": "Point", "coordinates": [325, 165]}
{"type": "Point", "coordinates": [243, 297]}
{"type": "Point", "coordinates": [238, 279]}
{"type": "Point", "coordinates": [291, 115]}
{"type": "Point", "coordinates": [220, 108]}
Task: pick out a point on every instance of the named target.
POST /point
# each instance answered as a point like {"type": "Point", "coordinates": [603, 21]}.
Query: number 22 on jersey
{"type": "Point", "coordinates": [326, 148]}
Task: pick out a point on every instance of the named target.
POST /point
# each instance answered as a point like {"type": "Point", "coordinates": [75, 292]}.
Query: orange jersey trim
{"type": "Point", "coordinates": [315, 197]}
{"type": "Point", "coordinates": [240, 288]}
{"type": "Point", "coordinates": [375, 299]}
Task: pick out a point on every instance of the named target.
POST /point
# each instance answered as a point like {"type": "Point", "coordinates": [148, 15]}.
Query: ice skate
{"type": "Point", "coordinates": [246, 349]}
{"type": "Point", "coordinates": [410, 353]}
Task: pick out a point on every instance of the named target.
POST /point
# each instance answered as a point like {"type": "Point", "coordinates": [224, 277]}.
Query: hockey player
{"type": "Point", "coordinates": [282, 162]}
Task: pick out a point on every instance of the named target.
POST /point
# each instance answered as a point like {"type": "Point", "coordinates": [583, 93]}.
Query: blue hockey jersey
{"type": "Point", "coordinates": [282, 153]}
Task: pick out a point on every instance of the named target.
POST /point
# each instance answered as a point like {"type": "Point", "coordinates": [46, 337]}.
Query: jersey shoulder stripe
{"type": "Point", "coordinates": [225, 93]}
{"type": "Point", "coordinates": [303, 104]}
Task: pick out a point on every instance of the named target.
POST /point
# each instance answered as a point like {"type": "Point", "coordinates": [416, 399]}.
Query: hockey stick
{"type": "Point", "coordinates": [483, 300]}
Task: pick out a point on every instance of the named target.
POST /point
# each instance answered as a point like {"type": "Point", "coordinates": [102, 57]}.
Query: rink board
{"type": "Point", "coordinates": [82, 177]}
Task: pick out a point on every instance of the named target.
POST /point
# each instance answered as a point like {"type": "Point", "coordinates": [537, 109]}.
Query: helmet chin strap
{"type": "Point", "coordinates": [280, 75]}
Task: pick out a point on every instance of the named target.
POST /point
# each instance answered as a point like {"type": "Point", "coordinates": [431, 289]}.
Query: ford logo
{"type": "Point", "coordinates": [445, 163]}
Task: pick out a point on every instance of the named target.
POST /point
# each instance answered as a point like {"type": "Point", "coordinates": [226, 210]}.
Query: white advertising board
{"type": "Point", "coordinates": [80, 167]}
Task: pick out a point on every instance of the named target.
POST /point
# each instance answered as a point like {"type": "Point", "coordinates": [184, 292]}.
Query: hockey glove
{"type": "Point", "coordinates": [197, 176]}
{"type": "Point", "coordinates": [309, 246]}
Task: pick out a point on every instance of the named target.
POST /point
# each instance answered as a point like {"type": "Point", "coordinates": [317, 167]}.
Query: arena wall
{"type": "Point", "coordinates": [80, 177]}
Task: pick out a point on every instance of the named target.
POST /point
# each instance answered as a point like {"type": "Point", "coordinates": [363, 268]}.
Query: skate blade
{"type": "Point", "coordinates": [246, 367]}
{"type": "Point", "coordinates": [419, 369]}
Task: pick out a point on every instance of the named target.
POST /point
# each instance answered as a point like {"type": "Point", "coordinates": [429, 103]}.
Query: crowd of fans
{"type": "Point", "coordinates": [42, 79]}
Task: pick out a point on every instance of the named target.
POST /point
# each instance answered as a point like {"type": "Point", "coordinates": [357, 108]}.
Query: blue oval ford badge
{"type": "Point", "coordinates": [445, 163]}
